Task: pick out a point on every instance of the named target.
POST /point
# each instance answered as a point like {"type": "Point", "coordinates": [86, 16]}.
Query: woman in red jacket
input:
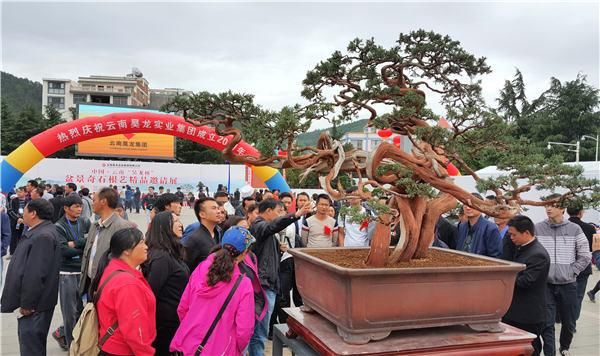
{"type": "Point", "coordinates": [126, 303]}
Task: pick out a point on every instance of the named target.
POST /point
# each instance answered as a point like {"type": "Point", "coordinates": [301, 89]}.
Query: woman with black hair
{"type": "Point", "coordinates": [217, 306]}
{"type": "Point", "coordinates": [167, 274]}
{"type": "Point", "coordinates": [126, 303]}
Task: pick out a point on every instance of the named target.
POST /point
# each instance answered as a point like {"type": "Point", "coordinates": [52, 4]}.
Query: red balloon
{"type": "Point", "coordinates": [282, 153]}
{"type": "Point", "coordinates": [396, 140]}
{"type": "Point", "coordinates": [384, 133]}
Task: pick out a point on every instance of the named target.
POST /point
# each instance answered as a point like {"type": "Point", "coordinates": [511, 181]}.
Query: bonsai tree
{"type": "Point", "coordinates": [390, 87]}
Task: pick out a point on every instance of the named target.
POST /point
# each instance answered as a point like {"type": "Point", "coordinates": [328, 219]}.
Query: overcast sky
{"type": "Point", "coordinates": [267, 48]}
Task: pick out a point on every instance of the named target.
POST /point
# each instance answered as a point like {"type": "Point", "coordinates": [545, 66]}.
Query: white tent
{"type": "Point", "coordinates": [591, 170]}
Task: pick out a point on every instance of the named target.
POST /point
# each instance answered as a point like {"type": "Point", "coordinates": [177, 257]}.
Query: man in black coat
{"type": "Point", "coordinates": [528, 308]}
{"type": "Point", "coordinates": [32, 278]}
{"type": "Point", "coordinates": [575, 215]}
{"type": "Point", "coordinates": [202, 240]}
{"type": "Point", "coordinates": [267, 248]}
{"type": "Point", "coordinates": [15, 212]}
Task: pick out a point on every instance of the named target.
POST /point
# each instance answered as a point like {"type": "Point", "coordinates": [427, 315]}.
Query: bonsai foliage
{"type": "Point", "coordinates": [390, 87]}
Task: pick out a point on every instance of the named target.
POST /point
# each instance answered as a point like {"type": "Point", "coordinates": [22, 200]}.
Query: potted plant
{"type": "Point", "coordinates": [410, 285]}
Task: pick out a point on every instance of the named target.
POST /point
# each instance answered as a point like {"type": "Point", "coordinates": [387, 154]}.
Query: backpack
{"type": "Point", "coordinates": [85, 334]}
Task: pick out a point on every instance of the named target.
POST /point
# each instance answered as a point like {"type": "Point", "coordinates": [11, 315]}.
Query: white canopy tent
{"type": "Point", "coordinates": [591, 170]}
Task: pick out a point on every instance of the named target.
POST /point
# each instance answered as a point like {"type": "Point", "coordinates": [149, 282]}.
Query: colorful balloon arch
{"type": "Point", "coordinates": [69, 133]}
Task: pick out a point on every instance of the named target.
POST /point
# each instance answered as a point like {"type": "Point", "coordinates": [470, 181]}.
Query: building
{"type": "Point", "coordinates": [130, 90]}
{"type": "Point", "coordinates": [160, 97]}
{"type": "Point", "coordinates": [368, 140]}
{"type": "Point", "coordinates": [57, 92]}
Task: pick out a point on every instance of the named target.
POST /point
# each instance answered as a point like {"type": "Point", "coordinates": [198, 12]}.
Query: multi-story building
{"type": "Point", "coordinates": [160, 97]}
{"type": "Point", "coordinates": [132, 90]}
{"type": "Point", "coordinates": [368, 140]}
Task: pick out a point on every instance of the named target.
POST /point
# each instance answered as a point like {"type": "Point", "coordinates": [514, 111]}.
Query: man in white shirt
{"type": "Point", "coordinates": [320, 230]}
{"type": "Point", "coordinates": [354, 234]}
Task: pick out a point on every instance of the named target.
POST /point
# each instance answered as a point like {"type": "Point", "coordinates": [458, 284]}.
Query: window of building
{"type": "Point", "coordinates": [109, 88]}
{"type": "Point", "coordinates": [358, 144]}
{"type": "Point", "coordinates": [79, 98]}
{"type": "Point", "coordinates": [57, 101]}
{"type": "Point", "coordinates": [56, 87]}
{"type": "Point", "coordinates": [101, 99]}
{"type": "Point", "coordinates": [100, 87]}
{"type": "Point", "coordinates": [119, 100]}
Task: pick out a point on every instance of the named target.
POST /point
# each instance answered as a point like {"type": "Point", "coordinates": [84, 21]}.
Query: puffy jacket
{"type": "Point", "coordinates": [199, 306]}
{"type": "Point", "coordinates": [567, 247]}
{"type": "Point", "coordinates": [266, 248]}
{"type": "Point", "coordinates": [127, 297]}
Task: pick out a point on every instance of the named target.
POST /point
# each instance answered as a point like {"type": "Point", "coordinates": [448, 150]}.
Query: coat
{"type": "Point", "coordinates": [104, 232]}
{"type": "Point", "coordinates": [528, 304]}
{"type": "Point", "coordinates": [199, 306]}
{"type": "Point", "coordinates": [32, 276]}
{"type": "Point", "coordinates": [167, 276]}
{"type": "Point", "coordinates": [266, 248]}
{"type": "Point", "coordinates": [198, 246]}
{"type": "Point", "coordinates": [589, 232]}
{"type": "Point", "coordinates": [250, 269]}
{"type": "Point", "coordinates": [127, 297]}
{"type": "Point", "coordinates": [486, 238]}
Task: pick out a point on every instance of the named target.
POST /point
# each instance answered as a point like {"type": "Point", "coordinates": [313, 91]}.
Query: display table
{"type": "Point", "coordinates": [321, 337]}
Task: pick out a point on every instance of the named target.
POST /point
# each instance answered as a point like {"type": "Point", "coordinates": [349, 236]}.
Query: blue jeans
{"type": "Point", "coordinates": [560, 298]}
{"type": "Point", "coordinates": [261, 327]}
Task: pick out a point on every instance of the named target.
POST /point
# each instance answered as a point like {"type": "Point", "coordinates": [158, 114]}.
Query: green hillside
{"type": "Point", "coordinates": [310, 138]}
{"type": "Point", "coordinates": [20, 93]}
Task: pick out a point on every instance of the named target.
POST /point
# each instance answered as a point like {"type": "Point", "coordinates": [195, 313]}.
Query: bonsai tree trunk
{"type": "Point", "coordinates": [380, 244]}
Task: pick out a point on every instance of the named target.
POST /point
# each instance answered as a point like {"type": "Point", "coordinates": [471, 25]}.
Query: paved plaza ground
{"type": "Point", "coordinates": [585, 343]}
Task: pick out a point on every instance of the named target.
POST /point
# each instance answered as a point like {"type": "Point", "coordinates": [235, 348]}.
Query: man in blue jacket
{"type": "Point", "coordinates": [478, 235]}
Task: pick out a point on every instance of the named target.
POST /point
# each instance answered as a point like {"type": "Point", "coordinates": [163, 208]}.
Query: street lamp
{"type": "Point", "coordinates": [593, 138]}
{"type": "Point", "coordinates": [576, 150]}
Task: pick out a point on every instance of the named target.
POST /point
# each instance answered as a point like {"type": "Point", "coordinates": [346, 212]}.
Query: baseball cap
{"type": "Point", "coordinates": [239, 237]}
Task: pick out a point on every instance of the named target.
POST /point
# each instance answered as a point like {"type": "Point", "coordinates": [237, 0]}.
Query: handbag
{"type": "Point", "coordinates": [219, 314]}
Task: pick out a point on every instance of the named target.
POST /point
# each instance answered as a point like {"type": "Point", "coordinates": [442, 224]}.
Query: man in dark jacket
{"type": "Point", "coordinates": [206, 236]}
{"type": "Point", "coordinates": [58, 202]}
{"type": "Point", "coordinates": [72, 230]}
{"type": "Point", "coordinates": [528, 308]}
{"type": "Point", "coordinates": [478, 235]}
{"type": "Point", "coordinates": [32, 278]}
{"type": "Point", "coordinates": [575, 215]}
{"type": "Point", "coordinates": [15, 212]}
{"type": "Point", "coordinates": [267, 249]}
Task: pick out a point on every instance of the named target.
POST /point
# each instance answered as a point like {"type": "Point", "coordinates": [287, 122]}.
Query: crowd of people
{"type": "Point", "coordinates": [218, 285]}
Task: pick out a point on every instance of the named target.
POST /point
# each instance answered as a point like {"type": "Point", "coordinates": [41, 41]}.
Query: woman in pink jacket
{"type": "Point", "coordinates": [208, 288]}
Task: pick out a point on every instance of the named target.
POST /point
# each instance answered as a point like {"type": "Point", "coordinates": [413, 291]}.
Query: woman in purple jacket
{"type": "Point", "coordinates": [208, 288]}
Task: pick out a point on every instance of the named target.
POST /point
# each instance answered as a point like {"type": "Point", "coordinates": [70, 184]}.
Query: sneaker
{"type": "Point", "coordinates": [60, 339]}
{"type": "Point", "coordinates": [565, 353]}
{"type": "Point", "coordinates": [592, 296]}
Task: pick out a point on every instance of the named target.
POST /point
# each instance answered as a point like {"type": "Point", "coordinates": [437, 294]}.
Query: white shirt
{"type": "Point", "coordinates": [353, 235]}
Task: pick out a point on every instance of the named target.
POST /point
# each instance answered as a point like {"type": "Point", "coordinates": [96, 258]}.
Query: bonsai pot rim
{"type": "Point", "coordinates": [499, 264]}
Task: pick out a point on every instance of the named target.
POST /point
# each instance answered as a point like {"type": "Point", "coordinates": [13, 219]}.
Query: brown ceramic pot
{"type": "Point", "coordinates": [368, 304]}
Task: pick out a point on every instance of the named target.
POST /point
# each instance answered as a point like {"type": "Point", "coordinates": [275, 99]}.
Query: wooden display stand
{"type": "Point", "coordinates": [321, 336]}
